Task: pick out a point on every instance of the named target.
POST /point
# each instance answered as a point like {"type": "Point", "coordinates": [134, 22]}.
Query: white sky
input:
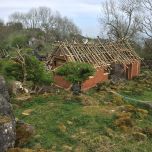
{"type": "Point", "coordinates": [84, 13]}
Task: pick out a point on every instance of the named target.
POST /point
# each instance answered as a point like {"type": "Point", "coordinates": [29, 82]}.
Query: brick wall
{"type": "Point", "coordinates": [91, 82]}
{"type": "Point", "coordinates": [97, 78]}
{"type": "Point", "coordinates": [135, 69]}
{"type": "Point", "coordinates": [100, 76]}
{"type": "Point", "coordinates": [61, 82]}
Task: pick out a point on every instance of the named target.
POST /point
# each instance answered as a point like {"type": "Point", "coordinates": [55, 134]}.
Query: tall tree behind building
{"type": "Point", "coordinates": [121, 18]}
{"type": "Point", "coordinates": [53, 24]}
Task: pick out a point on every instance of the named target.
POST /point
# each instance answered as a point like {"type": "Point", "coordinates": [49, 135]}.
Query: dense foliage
{"type": "Point", "coordinates": [18, 40]}
{"type": "Point", "coordinates": [76, 72]}
{"type": "Point", "coordinates": [35, 70]}
{"type": "Point", "coordinates": [11, 70]}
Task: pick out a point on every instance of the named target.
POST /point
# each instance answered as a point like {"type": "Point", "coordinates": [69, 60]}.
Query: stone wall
{"type": "Point", "coordinates": [7, 120]}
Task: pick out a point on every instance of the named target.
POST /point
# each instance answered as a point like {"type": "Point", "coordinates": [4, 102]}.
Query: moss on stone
{"type": "Point", "coordinates": [4, 119]}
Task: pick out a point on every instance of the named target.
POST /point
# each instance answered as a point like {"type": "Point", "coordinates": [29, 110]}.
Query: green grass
{"type": "Point", "coordinates": [62, 121]}
{"type": "Point", "coordinates": [140, 88]}
{"type": "Point", "coordinates": [51, 113]}
{"type": "Point", "coordinates": [145, 96]}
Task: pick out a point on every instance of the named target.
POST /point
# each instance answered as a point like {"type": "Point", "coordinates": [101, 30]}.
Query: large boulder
{"type": "Point", "coordinates": [7, 119]}
{"type": "Point", "coordinates": [4, 89]}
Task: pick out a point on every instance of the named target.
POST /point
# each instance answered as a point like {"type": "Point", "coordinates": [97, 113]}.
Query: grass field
{"type": "Point", "coordinates": [145, 96]}
{"type": "Point", "coordinates": [140, 88]}
{"type": "Point", "coordinates": [92, 122]}
{"type": "Point", "coordinates": [66, 123]}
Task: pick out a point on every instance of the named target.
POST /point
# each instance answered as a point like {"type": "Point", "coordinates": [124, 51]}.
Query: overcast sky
{"type": "Point", "coordinates": [84, 13]}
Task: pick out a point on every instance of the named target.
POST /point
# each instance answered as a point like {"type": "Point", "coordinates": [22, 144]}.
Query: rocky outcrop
{"type": "Point", "coordinates": [7, 120]}
{"type": "Point", "coordinates": [4, 89]}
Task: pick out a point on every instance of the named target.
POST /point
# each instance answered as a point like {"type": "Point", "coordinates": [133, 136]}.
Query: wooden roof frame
{"type": "Point", "coordinates": [98, 54]}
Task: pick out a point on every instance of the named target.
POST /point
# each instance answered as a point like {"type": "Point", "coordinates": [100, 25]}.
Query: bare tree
{"type": "Point", "coordinates": [51, 23]}
{"type": "Point", "coordinates": [46, 17]}
{"type": "Point", "coordinates": [21, 59]}
{"type": "Point", "coordinates": [147, 23]}
{"type": "Point", "coordinates": [147, 27]}
{"type": "Point", "coordinates": [15, 17]}
{"type": "Point", "coordinates": [120, 19]}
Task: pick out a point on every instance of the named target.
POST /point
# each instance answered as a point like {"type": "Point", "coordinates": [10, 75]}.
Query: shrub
{"type": "Point", "coordinates": [18, 40]}
{"type": "Point", "coordinates": [76, 72]}
{"type": "Point", "coordinates": [35, 71]}
{"type": "Point", "coordinates": [124, 119]}
{"type": "Point", "coordinates": [135, 112]}
{"type": "Point", "coordinates": [96, 143]}
{"type": "Point", "coordinates": [11, 70]}
{"type": "Point", "coordinates": [117, 100]}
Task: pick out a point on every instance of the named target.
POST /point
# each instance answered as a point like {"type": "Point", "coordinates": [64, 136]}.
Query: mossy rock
{"type": "Point", "coordinates": [4, 119]}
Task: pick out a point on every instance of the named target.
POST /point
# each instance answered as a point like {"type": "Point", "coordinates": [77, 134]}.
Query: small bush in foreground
{"type": "Point", "coordinates": [76, 72]}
